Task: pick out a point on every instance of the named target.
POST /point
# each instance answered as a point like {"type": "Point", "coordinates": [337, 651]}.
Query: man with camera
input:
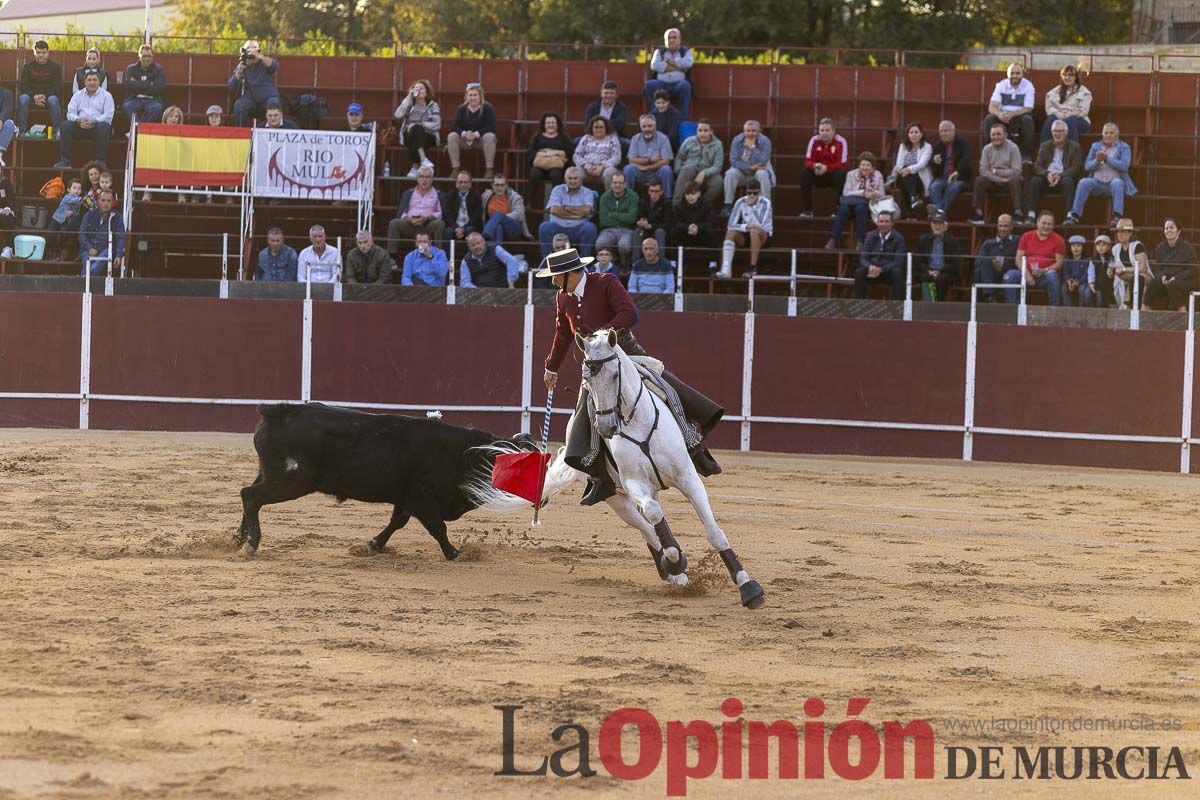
{"type": "Point", "coordinates": [253, 84]}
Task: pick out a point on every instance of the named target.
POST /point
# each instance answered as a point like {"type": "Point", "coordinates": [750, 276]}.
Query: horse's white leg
{"type": "Point", "coordinates": [645, 497]}
{"type": "Point", "coordinates": [750, 590]}
{"type": "Point", "coordinates": [626, 510]}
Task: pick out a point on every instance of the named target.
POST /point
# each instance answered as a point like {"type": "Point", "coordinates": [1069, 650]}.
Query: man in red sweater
{"type": "Point", "coordinates": [826, 163]}
{"type": "Point", "coordinates": [588, 302]}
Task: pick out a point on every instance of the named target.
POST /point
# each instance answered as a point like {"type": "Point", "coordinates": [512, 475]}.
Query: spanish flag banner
{"type": "Point", "coordinates": [190, 155]}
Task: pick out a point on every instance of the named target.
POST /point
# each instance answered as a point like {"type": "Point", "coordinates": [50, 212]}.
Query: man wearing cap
{"type": "Point", "coordinates": [354, 119]}
{"type": "Point", "coordinates": [587, 302]}
{"type": "Point", "coordinates": [1079, 276]}
{"type": "Point", "coordinates": [144, 84]}
{"type": "Point", "coordinates": [253, 82]}
{"type": "Point", "coordinates": [937, 258]}
{"type": "Point", "coordinates": [41, 81]}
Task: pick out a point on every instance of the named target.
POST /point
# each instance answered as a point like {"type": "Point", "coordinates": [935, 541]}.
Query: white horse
{"type": "Point", "coordinates": [650, 455]}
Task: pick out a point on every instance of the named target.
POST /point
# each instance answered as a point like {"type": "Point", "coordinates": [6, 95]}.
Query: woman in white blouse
{"type": "Point", "coordinates": [1071, 102]}
{"type": "Point", "coordinates": [911, 171]}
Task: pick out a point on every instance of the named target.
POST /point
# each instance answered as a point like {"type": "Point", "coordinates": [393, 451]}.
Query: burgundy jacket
{"type": "Point", "coordinates": [605, 304]}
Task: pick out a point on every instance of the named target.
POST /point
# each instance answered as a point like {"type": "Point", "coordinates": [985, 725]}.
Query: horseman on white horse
{"type": "Point", "coordinates": [588, 302]}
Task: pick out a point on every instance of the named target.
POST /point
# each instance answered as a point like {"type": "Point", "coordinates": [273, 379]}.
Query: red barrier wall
{"type": "Point", "coordinates": [1034, 378]}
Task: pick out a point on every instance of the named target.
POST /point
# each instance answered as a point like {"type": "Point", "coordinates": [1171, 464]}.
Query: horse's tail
{"type": "Point", "coordinates": [477, 483]}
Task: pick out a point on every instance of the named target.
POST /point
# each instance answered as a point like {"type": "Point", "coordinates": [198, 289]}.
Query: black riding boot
{"type": "Point", "coordinates": [704, 462]}
{"type": "Point", "coordinates": [600, 485]}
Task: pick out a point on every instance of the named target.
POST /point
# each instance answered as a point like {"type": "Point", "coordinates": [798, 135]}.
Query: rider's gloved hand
{"type": "Point", "coordinates": [550, 378]}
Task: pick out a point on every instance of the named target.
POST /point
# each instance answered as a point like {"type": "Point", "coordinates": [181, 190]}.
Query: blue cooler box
{"type": "Point", "coordinates": [31, 248]}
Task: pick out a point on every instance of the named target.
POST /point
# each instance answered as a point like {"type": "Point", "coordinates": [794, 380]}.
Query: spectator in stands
{"type": "Point", "coordinates": [419, 120]}
{"type": "Point", "coordinates": [616, 219]}
{"type": "Point", "coordinates": [91, 185]}
{"type": "Point", "coordinates": [503, 212]}
{"type": "Point", "coordinates": [1079, 277]}
{"type": "Point", "coordinates": [561, 242]}
{"type": "Point", "coordinates": [692, 220]}
{"type": "Point", "coordinates": [98, 226]}
{"type": "Point", "coordinates": [277, 261]}
{"type": "Point", "coordinates": [145, 83]}
{"type": "Point", "coordinates": [1012, 106]}
{"type": "Point", "coordinates": [861, 187]}
{"type": "Point", "coordinates": [354, 119]}
{"type": "Point", "coordinates": [1057, 169]}
{"type": "Point", "coordinates": [41, 82]}
{"type": "Point", "coordinates": [911, 171]}
{"type": "Point", "coordinates": [882, 259]}
{"type": "Point", "coordinates": [652, 274]}
{"type": "Point", "coordinates": [474, 126]}
{"type": "Point", "coordinates": [938, 258]}
{"type": "Point", "coordinates": [487, 265]}
{"type": "Point", "coordinates": [1041, 250]}
{"type": "Point", "coordinates": [549, 153]}
{"type": "Point", "coordinates": [671, 65]}
{"type": "Point", "coordinates": [91, 63]}
{"type": "Point", "coordinates": [462, 211]}
{"type": "Point", "coordinates": [650, 157]}
{"type": "Point", "coordinates": [253, 84]}
{"type": "Point", "coordinates": [606, 260]}
{"type": "Point", "coordinates": [1069, 102]}
{"type": "Point", "coordinates": [826, 164]}
{"type": "Point", "coordinates": [1128, 256]}
{"type": "Point", "coordinates": [89, 116]}
{"type": "Point", "coordinates": [1107, 164]}
{"type": "Point", "coordinates": [275, 118]}
{"type": "Point", "coordinates": [996, 256]}
{"type": "Point", "coordinates": [426, 265]}
{"type": "Point", "coordinates": [612, 109]}
{"type": "Point", "coordinates": [699, 160]}
{"type": "Point", "coordinates": [213, 115]}
{"type": "Point", "coordinates": [420, 209]}
{"type": "Point", "coordinates": [8, 128]}
{"type": "Point", "coordinates": [1174, 270]}
{"type": "Point", "coordinates": [1102, 246]}
{"type": "Point", "coordinates": [319, 263]}
{"type": "Point", "coordinates": [666, 118]}
{"type": "Point", "coordinates": [749, 157]}
{"type": "Point", "coordinates": [751, 220]}
{"type": "Point", "coordinates": [106, 185]}
{"type": "Point", "coordinates": [570, 211]}
{"type": "Point", "coordinates": [999, 169]}
{"type": "Point", "coordinates": [367, 262]}
{"type": "Point", "coordinates": [599, 153]}
{"type": "Point", "coordinates": [654, 214]}
{"type": "Point", "coordinates": [951, 160]}
{"type": "Point", "coordinates": [173, 115]}
{"type": "Point", "coordinates": [65, 219]}
{"type": "Point", "coordinates": [8, 216]}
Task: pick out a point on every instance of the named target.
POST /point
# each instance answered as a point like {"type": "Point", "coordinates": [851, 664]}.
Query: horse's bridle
{"type": "Point", "coordinates": [593, 368]}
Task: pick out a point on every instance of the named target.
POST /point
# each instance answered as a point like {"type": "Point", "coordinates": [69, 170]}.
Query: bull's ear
{"type": "Point", "coordinates": [612, 338]}
{"type": "Point", "coordinates": [580, 341]}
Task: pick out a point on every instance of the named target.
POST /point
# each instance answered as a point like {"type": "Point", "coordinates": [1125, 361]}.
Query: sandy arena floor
{"type": "Point", "coordinates": [140, 656]}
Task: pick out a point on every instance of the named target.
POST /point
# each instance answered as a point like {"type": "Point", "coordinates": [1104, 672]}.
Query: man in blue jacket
{"type": "Point", "coordinates": [94, 236]}
{"type": "Point", "coordinates": [651, 273]}
{"type": "Point", "coordinates": [145, 83]}
{"type": "Point", "coordinates": [1107, 166]}
{"type": "Point", "coordinates": [882, 259]}
{"type": "Point", "coordinates": [254, 84]}
{"type": "Point", "coordinates": [277, 261]}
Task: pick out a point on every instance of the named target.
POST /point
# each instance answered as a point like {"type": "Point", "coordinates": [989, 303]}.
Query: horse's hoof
{"type": "Point", "coordinates": [374, 549]}
{"type": "Point", "coordinates": [250, 549]}
{"type": "Point", "coordinates": [752, 594]}
{"type": "Point", "coordinates": [676, 568]}
{"type": "Point", "coordinates": [450, 554]}
{"type": "Point", "coordinates": [678, 580]}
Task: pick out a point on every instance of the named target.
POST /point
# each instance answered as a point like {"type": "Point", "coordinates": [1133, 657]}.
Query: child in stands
{"type": "Point", "coordinates": [65, 220]}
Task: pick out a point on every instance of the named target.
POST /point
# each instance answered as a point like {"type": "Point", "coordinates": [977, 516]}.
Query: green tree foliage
{"type": "Point", "coordinates": [947, 25]}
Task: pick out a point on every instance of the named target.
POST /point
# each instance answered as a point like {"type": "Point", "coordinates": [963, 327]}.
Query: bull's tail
{"type": "Point", "coordinates": [478, 483]}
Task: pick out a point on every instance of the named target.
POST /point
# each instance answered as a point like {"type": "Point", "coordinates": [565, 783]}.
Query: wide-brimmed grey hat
{"type": "Point", "coordinates": [563, 261]}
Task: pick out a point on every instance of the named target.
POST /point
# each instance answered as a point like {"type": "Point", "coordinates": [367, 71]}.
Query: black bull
{"type": "Point", "coordinates": [424, 468]}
